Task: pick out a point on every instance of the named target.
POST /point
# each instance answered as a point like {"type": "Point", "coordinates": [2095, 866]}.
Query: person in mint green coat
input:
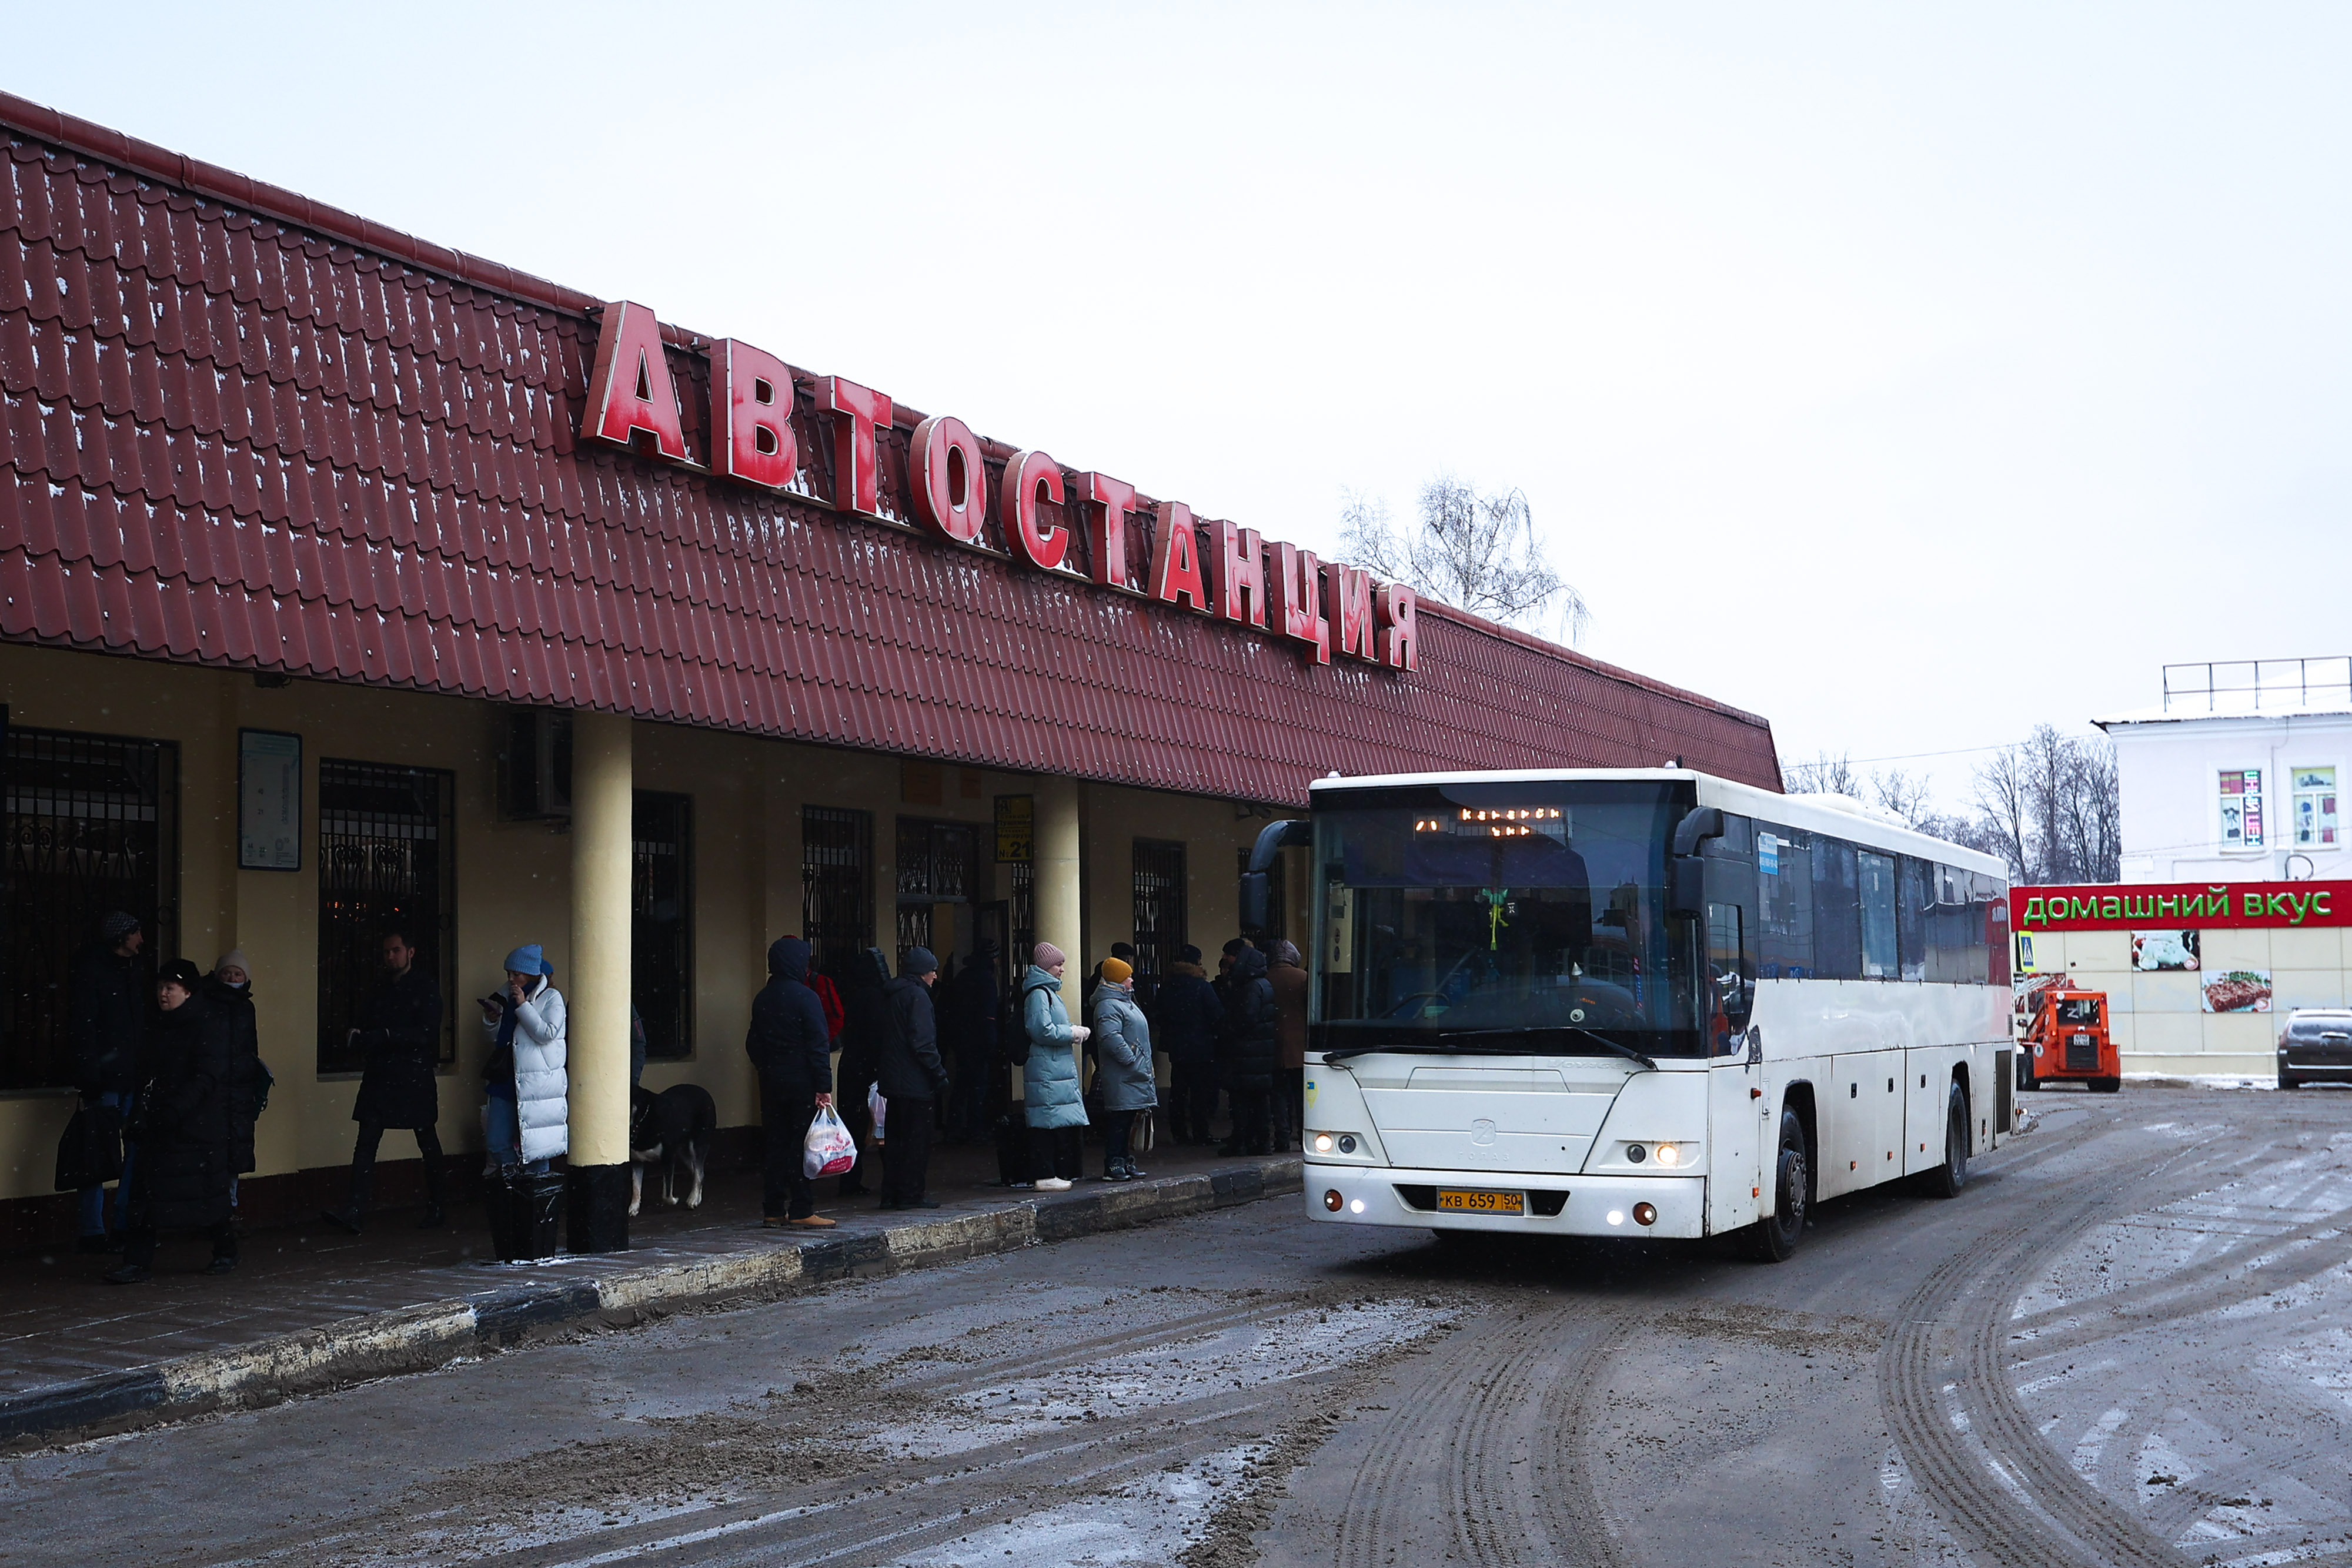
{"type": "Point", "coordinates": [1050, 1092]}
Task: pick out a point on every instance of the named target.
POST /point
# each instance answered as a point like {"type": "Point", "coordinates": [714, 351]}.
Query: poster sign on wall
{"type": "Point", "coordinates": [2238, 991]}
{"type": "Point", "coordinates": [2156, 952]}
{"type": "Point", "coordinates": [1017, 825]}
{"type": "Point", "coordinates": [269, 800]}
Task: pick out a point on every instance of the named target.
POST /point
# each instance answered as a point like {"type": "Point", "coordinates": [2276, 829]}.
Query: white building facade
{"type": "Point", "coordinates": [2235, 906]}
{"type": "Point", "coordinates": [2236, 775]}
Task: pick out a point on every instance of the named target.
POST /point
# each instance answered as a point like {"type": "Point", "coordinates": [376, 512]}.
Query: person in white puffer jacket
{"type": "Point", "coordinates": [525, 1119]}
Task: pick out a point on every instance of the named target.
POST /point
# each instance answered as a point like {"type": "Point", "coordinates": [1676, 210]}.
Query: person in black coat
{"type": "Point", "coordinates": [229, 987]}
{"type": "Point", "coordinates": [1245, 1053]}
{"type": "Point", "coordinates": [971, 1004]}
{"type": "Point", "coordinates": [106, 1019]}
{"type": "Point", "coordinates": [913, 1081]}
{"type": "Point", "coordinates": [399, 1027]}
{"type": "Point", "coordinates": [185, 1119]}
{"type": "Point", "coordinates": [1187, 1018]}
{"type": "Point", "coordinates": [866, 1023]}
{"type": "Point", "coordinates": [793, 1051]}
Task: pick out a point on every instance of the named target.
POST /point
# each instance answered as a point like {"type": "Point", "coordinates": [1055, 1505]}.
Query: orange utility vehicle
{"type": "Point", "coordinates": [2065, 1041]}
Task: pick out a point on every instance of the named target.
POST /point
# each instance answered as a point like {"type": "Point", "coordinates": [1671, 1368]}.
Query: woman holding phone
{"type": "Point", "coordinates": [525, 1122]}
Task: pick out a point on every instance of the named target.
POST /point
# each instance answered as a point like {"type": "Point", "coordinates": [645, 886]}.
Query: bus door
{"type": "Point", "coordinates": [1740, 1128]}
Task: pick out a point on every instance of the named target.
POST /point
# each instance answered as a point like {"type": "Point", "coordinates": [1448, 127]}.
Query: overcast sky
{"type": "Point", "coordinates": [1910, 375]}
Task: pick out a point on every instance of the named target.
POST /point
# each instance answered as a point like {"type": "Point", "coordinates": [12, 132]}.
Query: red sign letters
{"type": "Point", "coordinates": [1325, 607]}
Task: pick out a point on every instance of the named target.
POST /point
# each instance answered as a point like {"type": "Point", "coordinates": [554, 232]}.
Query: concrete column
{"type": "Point", "coordinates": [603, 779]}
{"type": "Point", "coordinates": [1059, 889]}
{"type": "Point", "coordinates": [1060, 884]}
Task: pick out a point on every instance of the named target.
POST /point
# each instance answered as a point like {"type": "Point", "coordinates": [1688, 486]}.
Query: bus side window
{"type": "Point", "coordinates": [1916, 882]}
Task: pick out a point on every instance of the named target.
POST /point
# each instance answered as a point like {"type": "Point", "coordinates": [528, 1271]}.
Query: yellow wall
{"type": "Point", "coordinates": [513, 878]}
{"type": "Point", "coordinates": [2159, 1018]}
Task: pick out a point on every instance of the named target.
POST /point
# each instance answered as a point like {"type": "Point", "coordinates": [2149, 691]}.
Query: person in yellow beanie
{"type": "Point", "coordinates": [1122, 1067]}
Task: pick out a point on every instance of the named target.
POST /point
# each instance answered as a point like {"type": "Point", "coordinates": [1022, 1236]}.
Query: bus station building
{"type": "Point", "coordinates": [346, 579]}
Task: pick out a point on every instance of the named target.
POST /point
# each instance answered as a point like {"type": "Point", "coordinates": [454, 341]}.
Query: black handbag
{"type": "Point", "coordinates": [90, 1153]}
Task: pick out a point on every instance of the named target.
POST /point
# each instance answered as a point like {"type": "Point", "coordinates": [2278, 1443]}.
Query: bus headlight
{"type": "Point", "coordinates": [1324, 1144]}
{"type": "Point", "coordinates": [1668, 1155]}
{"type": "Point", "coordinates": [1332, 1143]}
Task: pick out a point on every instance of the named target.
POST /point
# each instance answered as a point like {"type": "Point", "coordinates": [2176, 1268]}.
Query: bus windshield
{"type": "Point", "coordinates": [1525, 917]}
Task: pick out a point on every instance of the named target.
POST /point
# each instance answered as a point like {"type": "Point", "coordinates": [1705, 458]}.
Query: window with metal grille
{"type": "Point", "coordinates": [1159, 913]}
{"type": "Point", "coordinates": [661, 922]}
{"type": "Point", "coordinates": [836, 885]}
{"type": "Point", "coordinates": [1023, 914]}
{"type": "Point", "coordinates": [386, 861]}
{"type": "Point", "coordinates": [935, 867]}
{"type": "Point", "coordinates": [93, 824]}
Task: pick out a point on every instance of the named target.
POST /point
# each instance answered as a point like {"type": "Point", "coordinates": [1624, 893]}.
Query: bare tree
{"type": "Point", "coordinates": [2050, 807]}
{"type": "Point", "coordinates": [1825, 775]}
{"type": "Point", "coordinates": [1476, 552]}
{"type": "Point", "coordinates": [2004, 802]}
{"type": "Point", "coordinates": [1903, 795]}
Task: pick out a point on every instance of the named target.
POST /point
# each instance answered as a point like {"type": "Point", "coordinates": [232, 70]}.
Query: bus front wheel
{"type": "Point", "coordinates": [1776, 1235]}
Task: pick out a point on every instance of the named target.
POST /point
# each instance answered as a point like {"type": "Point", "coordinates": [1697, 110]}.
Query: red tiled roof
{"type": "Point", "coordinates": [237, 428]}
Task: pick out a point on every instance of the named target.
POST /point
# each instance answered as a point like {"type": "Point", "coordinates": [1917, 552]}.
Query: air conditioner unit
{"type": "Point", "coordinates": [534, 764]}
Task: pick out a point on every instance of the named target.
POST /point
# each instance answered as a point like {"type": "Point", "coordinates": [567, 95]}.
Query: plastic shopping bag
{"type": "Point", "coordinates": [878, 1107]}
{"type": "Point", "coordinates": [828, 1150]}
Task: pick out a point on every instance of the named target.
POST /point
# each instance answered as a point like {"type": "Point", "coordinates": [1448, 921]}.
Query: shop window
{"type": "Point", "coordinates": [1877, 874]}
{"type": "Point", "coordinates": [2314, 808]}
{"type": "Point", "coordinates": [836, 885]}
{"type": "Point", "coordinates": [92, 828]}
{"type": "Point", "coordinates": [385, 862]}
{"type": "Point", "coordinates": [1159, 913]}
{"type": "Point", "coordinates": [661, 922]}
{"type": "Point", "coordinates": [2241, 802]}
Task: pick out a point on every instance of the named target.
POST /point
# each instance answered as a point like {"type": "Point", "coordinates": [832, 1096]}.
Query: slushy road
{"type": "Point", "coordinates": [2127, 1342]}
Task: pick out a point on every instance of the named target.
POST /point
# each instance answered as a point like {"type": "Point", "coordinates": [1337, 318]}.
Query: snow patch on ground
{"type": "Point", "coordinates": [1150, 1521]}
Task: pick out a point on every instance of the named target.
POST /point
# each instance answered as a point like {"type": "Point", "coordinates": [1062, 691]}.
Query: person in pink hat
{"type": "Point", "coordinates": [1051, 1099]}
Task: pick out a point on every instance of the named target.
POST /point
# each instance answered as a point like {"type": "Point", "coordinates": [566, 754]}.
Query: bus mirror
{"type": "Point", "coordinates": [1253, 901]}
{"type": "Point", "coordinates": [1688, 893]}
{"type": "Point", "coordinates": [1706, 822]}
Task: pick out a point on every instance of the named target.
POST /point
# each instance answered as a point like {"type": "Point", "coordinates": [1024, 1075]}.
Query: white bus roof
{"type": "Point", "coordinates": [1839, 816]}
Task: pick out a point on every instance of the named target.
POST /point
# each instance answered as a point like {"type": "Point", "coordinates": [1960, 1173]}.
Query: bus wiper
{"type": "Point", "coordinates": [1603, 1040]}
{"type": "Point", "coordinates": [1443, 1045]}
{"type": "Point", "coordinates": [1436, 1047]}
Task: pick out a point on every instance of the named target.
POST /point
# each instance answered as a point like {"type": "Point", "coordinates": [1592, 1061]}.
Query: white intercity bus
{"type": "Point", "coordinates": [1645, 1002]}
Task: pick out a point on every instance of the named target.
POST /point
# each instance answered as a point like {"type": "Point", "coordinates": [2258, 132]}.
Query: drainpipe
{"type": "Point", "coordinates": [603, 779]}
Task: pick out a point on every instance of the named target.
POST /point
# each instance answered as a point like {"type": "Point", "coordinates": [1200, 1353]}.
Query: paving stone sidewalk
{"type": "Point", "coordinates": [63, 1330]}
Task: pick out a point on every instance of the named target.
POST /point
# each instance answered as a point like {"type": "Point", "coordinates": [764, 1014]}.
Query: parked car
{"type": "Point", "coordinates": [2315, 1047]}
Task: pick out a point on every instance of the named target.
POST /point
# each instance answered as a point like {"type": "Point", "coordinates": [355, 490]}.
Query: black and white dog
{"type": "Point", "coordinates": [673, 1129]}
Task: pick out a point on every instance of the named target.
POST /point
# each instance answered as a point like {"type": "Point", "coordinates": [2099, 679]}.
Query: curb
{"type": "Point", "coordinates": [420, 1338]}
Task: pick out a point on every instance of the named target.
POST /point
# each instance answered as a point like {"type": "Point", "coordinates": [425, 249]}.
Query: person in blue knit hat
{"type": "Point", "coordinates": [526, 1119]}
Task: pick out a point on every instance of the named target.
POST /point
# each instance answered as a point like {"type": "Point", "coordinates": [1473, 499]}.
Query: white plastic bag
{"type": "Point", "coordinates": [828, 1150]}
{"type": "Point", "coordinates": [879, 1108]}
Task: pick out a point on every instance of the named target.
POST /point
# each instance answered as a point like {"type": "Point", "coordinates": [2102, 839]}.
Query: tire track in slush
{"type": "Point", "coordinates": [2014, 1501]}
{"type": "Point", "coordinates": [1485, 1433]}
{"type": "Point", "coordinates": [371, 1534]}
